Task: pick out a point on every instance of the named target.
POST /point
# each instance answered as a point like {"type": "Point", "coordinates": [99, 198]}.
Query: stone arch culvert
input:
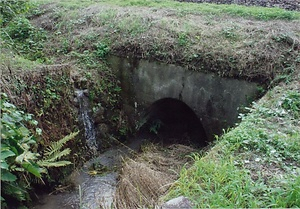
{"type": "Point", "coordinates": [175, 105]}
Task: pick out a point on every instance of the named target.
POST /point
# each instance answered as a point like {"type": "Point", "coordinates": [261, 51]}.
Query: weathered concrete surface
{"type": "Point", "coordinates": [215, 100]}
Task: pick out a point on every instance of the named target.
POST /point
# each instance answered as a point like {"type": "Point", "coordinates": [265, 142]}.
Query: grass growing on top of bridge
{"type": "Point", "coordinates": [183, 8]}
{"type": "Point", "coordinates": [173, 32]}
{"type": "Point", "coordinates": [256, 164]}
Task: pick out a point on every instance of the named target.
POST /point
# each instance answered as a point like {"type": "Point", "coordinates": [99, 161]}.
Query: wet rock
{"type": "Point", "coordinates": [103, 130]}
{"type": "Point", "coordinates": [79, 81]}
{"type": "Point", "coordinates": [99, 115]}
{"type": "Point", "coordinates": [178, 203]}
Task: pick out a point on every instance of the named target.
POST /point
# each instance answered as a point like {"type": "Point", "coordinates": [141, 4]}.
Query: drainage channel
{"type": "Point", "coordinates": [168, 104]}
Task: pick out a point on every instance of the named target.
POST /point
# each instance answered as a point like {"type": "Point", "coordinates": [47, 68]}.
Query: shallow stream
{"type": "Point", "coordinates": [95, 184]}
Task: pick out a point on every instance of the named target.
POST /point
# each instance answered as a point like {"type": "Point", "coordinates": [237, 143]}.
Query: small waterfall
{"type": "Point", "coordinates": [86, 119]}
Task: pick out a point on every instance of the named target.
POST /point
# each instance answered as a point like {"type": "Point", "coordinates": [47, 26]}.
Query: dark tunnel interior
{"type": "Point", "coordinates": [171, 121]}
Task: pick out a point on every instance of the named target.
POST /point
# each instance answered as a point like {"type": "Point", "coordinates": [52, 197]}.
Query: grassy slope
{"type": "Point", "coordinates": [256, 164]}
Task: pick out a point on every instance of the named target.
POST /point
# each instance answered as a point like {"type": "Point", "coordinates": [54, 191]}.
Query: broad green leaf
{"type": "Point", "coordinates": [7, 176]}
{"type": "Point", "coordinates": [8, 105]}
{"type": "Point", "coordinates": [28, 117]}
{"type": "Point", "coordinates": [18, 169]}
{"type": "Point", "coordinates": [6, 119]}
{"type": "Point", "coordinates": [31, 140]}
{"type": "Point", "coordinates": [6, 153]}
{"type": "Point", "coordinates": [14, 190]}
{"type": "Point", "coordinates": [34, 122]}
{"type": "Point", "coordinates": [4, 165]}
{"type": "Point", "coordinates": [26, 156]}
{"type": "Point", "coordinates": [24, 131]}
{"type": "Point", "coordinates": [16, 149]}
{"type": "Point", "coordinates": [34, 169]}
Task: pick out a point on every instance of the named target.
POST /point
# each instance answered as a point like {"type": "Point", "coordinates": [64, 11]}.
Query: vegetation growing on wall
{"type": "Point", "coordinates": [184, 8]}
{"type": "Point", "coordinates": [47, 94]}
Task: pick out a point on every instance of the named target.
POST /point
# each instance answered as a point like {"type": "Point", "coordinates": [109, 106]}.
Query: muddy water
{"type": "Point", "coordinates": [94, 184]}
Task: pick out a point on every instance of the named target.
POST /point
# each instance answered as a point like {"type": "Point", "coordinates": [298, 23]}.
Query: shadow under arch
{"type": "Point", "coordinates": [169, 121]}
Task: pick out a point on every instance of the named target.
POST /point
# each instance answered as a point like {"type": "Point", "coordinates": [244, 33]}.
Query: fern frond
{"type": "Point", "coordinates": [57, 155]}
{"type": "Point", "coordinates": [56, 146]}
{"type": "Point", "coordinates": [54, 153]}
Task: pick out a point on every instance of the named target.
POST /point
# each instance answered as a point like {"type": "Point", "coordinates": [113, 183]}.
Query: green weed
{"type": "Point", "coordinates": [9, 9]}
{"type": "Point", "coordinates": [17, 61]}
{"type": "Point", "coordinates": [101, 50]}
{"type": "Point", "coordinates": [291, 103]}
{"type": "Point", "coordinates": [107, 17]}
{"type": "Point", "coordinates": [183, 39]}
{"type": "Point", "coordinates": [216, 185]}
{"type": "Point", "coordinates": [133, 25]}
{"type": "Point", "coordinates": [25, 39]}
{"type": "Point", "coordinates": [230, 33]}
{"type": "Point", "coordinates": [260, 13]}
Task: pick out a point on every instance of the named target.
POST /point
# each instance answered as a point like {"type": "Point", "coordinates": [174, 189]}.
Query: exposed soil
{"type": "Point", "coordinates": [284, 4]}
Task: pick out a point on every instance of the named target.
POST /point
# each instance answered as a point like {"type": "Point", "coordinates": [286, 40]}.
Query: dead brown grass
{"type": "Point", "coordinates": [145, 179]}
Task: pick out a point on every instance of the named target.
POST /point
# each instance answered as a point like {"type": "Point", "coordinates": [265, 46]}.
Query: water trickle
{"type": "Point", "coordinates": [86, 119]}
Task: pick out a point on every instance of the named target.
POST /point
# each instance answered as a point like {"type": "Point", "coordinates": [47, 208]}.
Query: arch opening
{"type": "Point", "coordinates": [169, 121]}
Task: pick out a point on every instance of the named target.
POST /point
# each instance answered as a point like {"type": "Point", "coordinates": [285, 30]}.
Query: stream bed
{"type": "Point", "coordinates": [95, 184]}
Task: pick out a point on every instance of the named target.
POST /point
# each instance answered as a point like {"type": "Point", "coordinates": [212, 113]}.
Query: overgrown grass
{"type": "Point", "coordinates": [238, 10]}
{"type": "Point", "coordinates": [254, 165]}
{"type": "Point", "coordinates": [22, 37]}
{"type": "Point", "coordinates": [183, 8]}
